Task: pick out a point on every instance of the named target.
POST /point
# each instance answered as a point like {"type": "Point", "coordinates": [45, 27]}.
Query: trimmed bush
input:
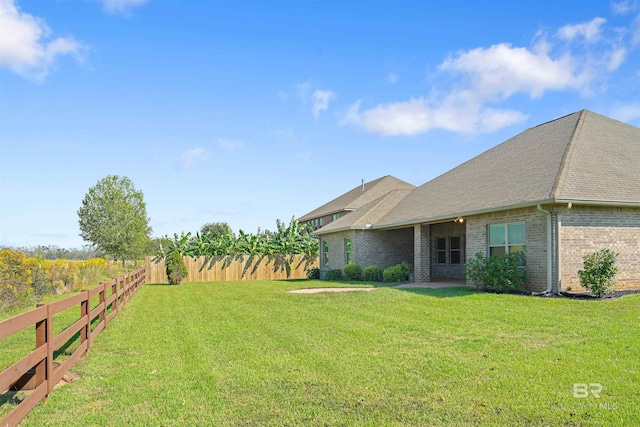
{"type": "Point", "coordinates": [353, 271]}
{"type": "Point", "coordinates": [176, 268]}
{"type": "Point", "coordinates": [599, 272]}
{"type": "Point", "coordinates": [333, 275]}
{"type": "Point", "coordinates": [313, 273]}
{"type": "Point", "coordinates": [373, 273]}
{"type": "Point", "coordinates": [397, 273]}
{"type": "Point", "coordinates": [499, 272]}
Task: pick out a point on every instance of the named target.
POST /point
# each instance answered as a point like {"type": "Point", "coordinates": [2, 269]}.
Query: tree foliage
{"type": "Point", "coordinates": [113, 218]}
{"type": "Point", "coordinates": [498, 272]}
{"type": "Point", "coordinates": [217, 228]}
{"type": "Point", "coordinates": [279, 246]}
{"type": "Point", "coordinates": [176, 268]}
{"type": "Point", "coordinates": [599, 272]}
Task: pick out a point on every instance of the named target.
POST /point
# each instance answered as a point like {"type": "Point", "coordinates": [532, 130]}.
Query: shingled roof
{"type": "Point", "coordinates": [368, 214]}
{"type": "Point", "coordinates": [358, 197]}
{"type": "Point", "coordinates": [582, 158]}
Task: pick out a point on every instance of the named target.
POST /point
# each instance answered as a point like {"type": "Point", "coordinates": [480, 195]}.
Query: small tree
{"type": "Point", "coordinates": [113, 218]}
{"type": "Point", "coordinates": [176, 268]}
{"type": "Point", "coordinates": [599, 272]}
{"type": "Point", "coordinates": [217, 228]}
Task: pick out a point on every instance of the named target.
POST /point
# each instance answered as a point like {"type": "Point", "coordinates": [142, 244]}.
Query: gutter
{"type": "Point", "coordinates": [559, 248]}
{"type": "Point", "coordinates": [549, 249]}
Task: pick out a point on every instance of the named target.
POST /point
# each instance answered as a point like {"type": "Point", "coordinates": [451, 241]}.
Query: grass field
{"type": "Point", "coordinates": [249, 353]}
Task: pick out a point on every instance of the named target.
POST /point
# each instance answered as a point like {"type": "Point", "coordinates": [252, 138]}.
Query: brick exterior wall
{"type": "Point", "coordinates": [384, 247]}
{"type": "Point", "coordinates": [421, 251]}
{"type": "Point", "coordinates": [446, 230]}
{"type": "Point", "coordinates": [477, 240]}
{"type": "Point", "coordinates": [336, 249]}
{"type": "Point", "coordinates": [586, 229]}
{"type": "Point", "coordinates": [369, 247]}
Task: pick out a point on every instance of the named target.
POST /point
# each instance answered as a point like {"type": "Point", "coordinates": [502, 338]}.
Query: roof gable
{"type": "Point", "coordinates": [358, 196]}
{"type": "Point", "coordinates": [602, 162]}
{"type": "Point", "coordinates": [522, 169]}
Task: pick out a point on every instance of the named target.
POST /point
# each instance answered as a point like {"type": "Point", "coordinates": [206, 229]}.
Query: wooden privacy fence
{"type": "Point", "coordinates": [239, 267]}
{"type": "Point", "coordinates": [36, 370]}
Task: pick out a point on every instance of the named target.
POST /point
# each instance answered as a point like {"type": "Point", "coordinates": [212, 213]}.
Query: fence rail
{"type": "Point", "coordinates": [36, 370]}
{"type": "Point", "coordinates": [240, 267]}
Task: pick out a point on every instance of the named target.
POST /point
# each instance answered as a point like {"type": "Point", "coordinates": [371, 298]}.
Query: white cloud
{"type": "Point", "coordinates": [457, 113]}
{"type": "Point", "coordinates": [392, 78]}
{"type": "Point", "coordinates": [321, 100]}
{"type": "Point", "coordinates": [627, 112]}
{"type": "Point", "coordinates": [624, 7]}
{"type": "Point", "coordinates": [502, 70]}
{"type": "Point", "coordinates": [589, 30]}
{"type": "Point", "coordinates": [616, 58]}
{"type": "Point", "coordinates": [493, 120]}
{"type": "Point", "coordinates": [230, 146]}
{"type": "Point", "coordinates": [24, 48]}
{"type": "Point", "coordinates": [318, 98]}
{"type": "Point", "coordinates": [122, 7]}
{"type": "Point", "coordinates": [189, 157]}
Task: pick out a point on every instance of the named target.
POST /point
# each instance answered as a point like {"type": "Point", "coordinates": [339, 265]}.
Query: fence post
{"type": "Point", "coordinates": [101, 297]}
{"type": "Point", "coordinates": [85, 308]}
{"type": "Point", "coordinates": [41, 339]}
{"type": "Point", "coordinates": [114, 291]}
{"type": "Point", "coordinates": [49, 341]}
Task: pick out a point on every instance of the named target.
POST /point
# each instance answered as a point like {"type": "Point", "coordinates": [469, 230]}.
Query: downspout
{"type": "Point", "coordinates": [549, 249]}
{"type": "Point", "coordinates": [559, 249]}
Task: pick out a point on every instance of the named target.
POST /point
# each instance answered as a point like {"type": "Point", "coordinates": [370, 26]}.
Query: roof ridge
{"type": "Point", "coordinates": [378, 201]}
{"type": "Point", "coordinates": [561, 177]}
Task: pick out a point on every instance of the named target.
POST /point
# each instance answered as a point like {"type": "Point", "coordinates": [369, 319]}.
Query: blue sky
{"type": "Point", "coordinates": [246, 112]}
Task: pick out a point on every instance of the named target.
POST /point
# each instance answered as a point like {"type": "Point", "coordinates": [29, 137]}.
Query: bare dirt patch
{"type": "Point", "coordinates": [318, 290]}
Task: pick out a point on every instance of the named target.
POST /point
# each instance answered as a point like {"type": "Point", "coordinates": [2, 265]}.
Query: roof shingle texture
{"type": "Point", "coordinates": [358, 197]}
{"type": "Point", "coordinates": [582, 156]}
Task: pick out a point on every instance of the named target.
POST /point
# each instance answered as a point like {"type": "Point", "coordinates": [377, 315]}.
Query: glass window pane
{"type": "Point", "coordinates": [442, 257]}
{"type": "Point", "coordinates": [516, 248]}
{"type": "Point", "coordinates": [455, 243]}
{"type": "Point", "coordinates": [455, 257]}
{"type": "Point", "coordinates": [496, 235]}
{"type": "Point", "coordinates": [497, 250]}
{"type": "Point", "coordinates": [440, 243]}
{"type": "Point", "coordinates": [517, 233]}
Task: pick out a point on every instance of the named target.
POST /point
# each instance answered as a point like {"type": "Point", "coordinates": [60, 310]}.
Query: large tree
{"type": "Point", "coordinates": [218, 228]}
{"type": "Point", "coordinates": [113, 218]}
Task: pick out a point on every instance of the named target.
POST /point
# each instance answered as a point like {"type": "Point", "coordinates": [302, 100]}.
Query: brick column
{"type": "Point", "coordinates": [421, 253]}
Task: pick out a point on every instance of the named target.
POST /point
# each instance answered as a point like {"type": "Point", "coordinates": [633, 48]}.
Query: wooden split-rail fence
{"type": "Point", "coordinates": [36, 371]}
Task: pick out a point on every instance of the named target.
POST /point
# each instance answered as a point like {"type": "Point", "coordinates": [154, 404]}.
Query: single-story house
{"type": "Point", "coordinates": [556, 191]}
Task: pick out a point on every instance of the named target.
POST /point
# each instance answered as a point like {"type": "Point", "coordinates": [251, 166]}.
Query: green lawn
{"type": "Point", "coordinates": [249, 353]}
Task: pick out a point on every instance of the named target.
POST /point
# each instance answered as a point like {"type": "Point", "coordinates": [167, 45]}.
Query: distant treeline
{"type": "Point", "coordinates": [53, 252]}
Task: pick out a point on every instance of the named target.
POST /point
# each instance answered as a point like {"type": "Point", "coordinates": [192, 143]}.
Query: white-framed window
{"type": "Point", "coordinates": [347, 251]}
{"type": "Point", "coordinates": [325, 252]}
{"type": "Point", "coordinates": [507, 238]}
{"type": "Point", "coordinates": [335, 216]}
{"type": "Point", "coordinates": [455, 250]}
{"type": "Point", "coordinates": [441, 250]}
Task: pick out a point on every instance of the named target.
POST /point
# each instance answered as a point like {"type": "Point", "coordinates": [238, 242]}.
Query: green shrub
{"type": "Point", "coordinates": [499, 272]}
{"type": "Point", "coordinates": [373, 273]}
{"type": "Point", "coordinates": [397, 273]}
{"type": "Point", "coordinates": [176, 268]}
{"type": "Point", "coordinates": [313, 273]}
{"type": "Point", "coordinates": [599, 272]}
{"type": "Point", "coordinates": [353, 271]}
{"type": "Point", "coordinates": [333, 275]}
